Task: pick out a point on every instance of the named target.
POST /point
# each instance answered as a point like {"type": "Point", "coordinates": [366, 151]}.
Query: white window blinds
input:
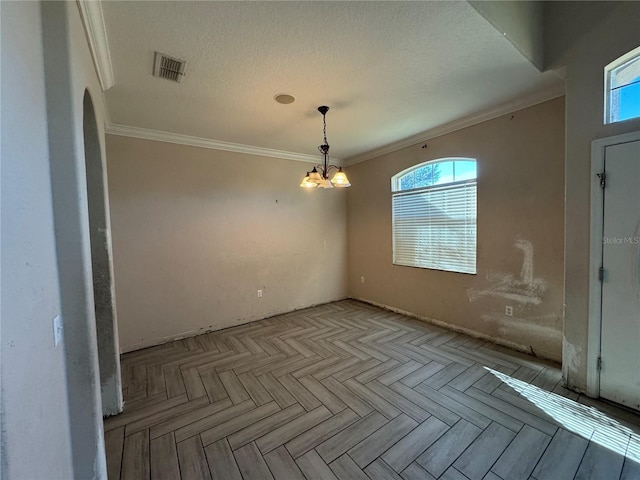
{"type": "Point", "coordinates": [435, 227]}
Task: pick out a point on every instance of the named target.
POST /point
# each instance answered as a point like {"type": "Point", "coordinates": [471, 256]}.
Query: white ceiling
{"type": "Point", "coordinates": [388, 70]}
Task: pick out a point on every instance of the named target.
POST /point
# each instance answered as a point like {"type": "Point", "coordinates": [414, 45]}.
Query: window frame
{"type": "Point", "coordinates": [396, 191]}
{"type": "Point", "coordinates": [629, 57]}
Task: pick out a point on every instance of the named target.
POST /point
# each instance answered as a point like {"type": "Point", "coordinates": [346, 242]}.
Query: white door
{"type": "Point", "coordinates": [620, 339]}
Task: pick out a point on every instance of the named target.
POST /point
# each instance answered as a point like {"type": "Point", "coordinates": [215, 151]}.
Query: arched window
{"type": "Point", "coordinates": [622, 88]}
{"type": "Point", "coordinates": [434, 215]}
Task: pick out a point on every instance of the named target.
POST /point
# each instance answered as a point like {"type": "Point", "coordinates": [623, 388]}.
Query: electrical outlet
{"type": "Point", "coordinates": [508, 311]}
{"type": "Point", "coordinates": [259, 293]}
{"type": "Point", "coordinates": [362, 279]}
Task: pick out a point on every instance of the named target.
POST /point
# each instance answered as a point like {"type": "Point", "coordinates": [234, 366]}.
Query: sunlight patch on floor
{"type": "Point", "coordinates": [583, 420]}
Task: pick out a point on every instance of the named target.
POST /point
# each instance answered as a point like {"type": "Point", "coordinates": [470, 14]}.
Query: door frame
{"type": "Point", "coordinates": [598, 149]}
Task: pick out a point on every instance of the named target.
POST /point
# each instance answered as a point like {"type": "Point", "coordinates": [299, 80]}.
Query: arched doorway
{"type": "Point", "coordinates": [101, 264]}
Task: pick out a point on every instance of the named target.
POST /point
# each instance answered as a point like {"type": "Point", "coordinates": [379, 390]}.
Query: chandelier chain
{"type": "Point", "coordinates": [324, 128]}
{"type": "Point", "coordinates": [324, 148]}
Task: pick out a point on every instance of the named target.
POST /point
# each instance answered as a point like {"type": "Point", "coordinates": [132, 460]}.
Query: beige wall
{"type": "Point", "coordinates": [196, 232]}
{"type": "Point", "coordinates": [520, 201]}
{"type": "Point", "coordinates": [33, 368]}
{"type": "Point", "coordinates": [584, 37]}
{"type": "Point", "coordinates": [51, 419]}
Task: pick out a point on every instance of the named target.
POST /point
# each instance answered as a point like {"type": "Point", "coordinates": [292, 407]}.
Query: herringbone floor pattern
{"type": "Point", "coordinates": [350, 391]}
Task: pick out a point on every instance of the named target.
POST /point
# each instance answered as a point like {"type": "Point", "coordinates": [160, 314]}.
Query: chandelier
{"type": "Point", "coordinates": [319, 176]}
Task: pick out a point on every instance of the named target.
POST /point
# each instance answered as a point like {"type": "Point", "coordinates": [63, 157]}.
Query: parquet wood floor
{"type": "Point", "coordinates": [350, 391]}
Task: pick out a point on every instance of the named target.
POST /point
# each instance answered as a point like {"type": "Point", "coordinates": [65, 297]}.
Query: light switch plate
{"type": "Point", "coordinates": [57, 330]}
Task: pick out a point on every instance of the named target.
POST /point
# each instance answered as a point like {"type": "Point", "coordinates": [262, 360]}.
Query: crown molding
{"type": "Point", "coordinates": [95, 29]}
{"type": "Point", "coordinates": [146, 134]}
{"type": "Point", "coordinates": [505, 108]}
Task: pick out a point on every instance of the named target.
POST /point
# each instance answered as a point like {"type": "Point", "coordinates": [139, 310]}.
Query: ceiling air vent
{"type": "Point", "coordinates": [168, 67]}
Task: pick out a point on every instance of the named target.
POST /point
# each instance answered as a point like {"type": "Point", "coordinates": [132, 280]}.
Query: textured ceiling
{"type": "Point", "coordinates": [388, 70]}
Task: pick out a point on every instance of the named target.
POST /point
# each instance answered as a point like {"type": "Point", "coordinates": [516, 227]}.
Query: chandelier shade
{"type": "Point", "coordinates": [340, 179]}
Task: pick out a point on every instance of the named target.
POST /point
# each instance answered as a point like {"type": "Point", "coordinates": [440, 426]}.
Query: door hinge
{"type": "Point", "coordinates": [603, 179]}
{"type": "Point", "coordinates": [601, 273]}
{"type": "Point", "coordinates": [599, 363]}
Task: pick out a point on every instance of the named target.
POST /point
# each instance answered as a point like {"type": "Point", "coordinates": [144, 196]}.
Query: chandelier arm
{"type": "Point", "coordinates": [329, 167]}
{"type": "Point", "coordinates": [324, 170]}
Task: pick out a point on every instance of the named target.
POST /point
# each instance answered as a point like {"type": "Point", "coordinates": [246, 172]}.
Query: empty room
{"type": "Point", "coordinates": [247, 240]}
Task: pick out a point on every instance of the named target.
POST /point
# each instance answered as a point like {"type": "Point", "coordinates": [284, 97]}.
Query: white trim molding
{"type": "Point", "coordinates": [146, 134]}
{"type": "Point", "coordinates": [96, 31]}
{"type": "Point", "coordinates": [505, 108]}
{"type": "Point", "coordinates": [598, 148]}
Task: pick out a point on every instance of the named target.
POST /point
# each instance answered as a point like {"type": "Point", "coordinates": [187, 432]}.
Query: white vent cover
{"type": "Point", "coordinates": [168, 67]}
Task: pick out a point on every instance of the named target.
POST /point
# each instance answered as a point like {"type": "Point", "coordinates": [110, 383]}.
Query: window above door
{"type": "Point", "coordinates": [622, 88]}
